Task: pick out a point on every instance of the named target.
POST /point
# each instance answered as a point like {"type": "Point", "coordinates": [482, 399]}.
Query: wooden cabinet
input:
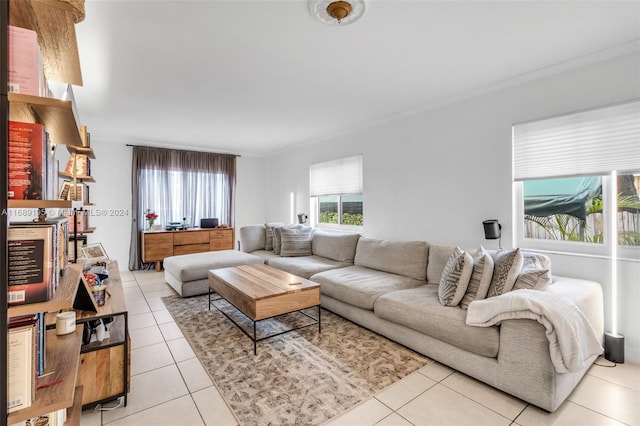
{"type": "Point", "coordinates": [157, 245]}
{"type": "Point", "coordinates": [104, 370]}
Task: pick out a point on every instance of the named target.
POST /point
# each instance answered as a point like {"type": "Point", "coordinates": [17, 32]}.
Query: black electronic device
{"type": "Point", "coordinates": [211, 222]}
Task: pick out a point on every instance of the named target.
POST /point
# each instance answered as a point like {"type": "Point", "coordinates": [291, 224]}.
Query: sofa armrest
{"type": "Point", "coordinates": [587, 295]}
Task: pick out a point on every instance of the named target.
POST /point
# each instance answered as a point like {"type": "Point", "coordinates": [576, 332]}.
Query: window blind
{"type": "Point", "coordinates": [588, 143]}
{"type": "Point", "coordinates": [341, 176]}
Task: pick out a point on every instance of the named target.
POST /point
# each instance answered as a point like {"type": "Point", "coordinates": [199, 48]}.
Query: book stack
{"type": "Point", "coordinates": [77, 192]}
{"type": "Point", "coordinates": [26, 359]}
{"type": "Point", "coordinates": [38, 254]}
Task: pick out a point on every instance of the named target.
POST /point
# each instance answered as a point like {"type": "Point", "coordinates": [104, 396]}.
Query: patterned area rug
{"type": "Point", "coordinates": [301, 377]}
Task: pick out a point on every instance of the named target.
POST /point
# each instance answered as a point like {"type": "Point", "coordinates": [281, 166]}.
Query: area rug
{"type": "Point", "coordinates": [301, 377]}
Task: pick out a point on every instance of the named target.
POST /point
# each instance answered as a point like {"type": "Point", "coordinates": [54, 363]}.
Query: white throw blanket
{"type": "Point", "coordinates": [572, 340]}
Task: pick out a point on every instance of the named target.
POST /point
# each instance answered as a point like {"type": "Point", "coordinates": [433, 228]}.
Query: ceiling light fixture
{"type": "Point", "coordinates": [339, 12]}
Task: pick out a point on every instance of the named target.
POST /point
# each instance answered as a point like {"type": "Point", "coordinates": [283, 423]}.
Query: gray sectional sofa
{"type": "Point", "coordinates": [391, 288]}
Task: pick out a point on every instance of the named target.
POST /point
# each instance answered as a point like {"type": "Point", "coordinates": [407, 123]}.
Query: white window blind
{"type": "Point", "coordinates": [587, 143]}
{"type": "Point", "coordinates": [341, 176]}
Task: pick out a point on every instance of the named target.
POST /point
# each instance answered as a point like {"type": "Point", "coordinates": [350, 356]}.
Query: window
{"type": "Point", "coordinates": [577, 180]}
{"type": "Point", "coordinates": [572, 209]}
{"type": "Point", "coordinates": [336, 193]}
{"type": "Point", "coordinates": [179, 186]}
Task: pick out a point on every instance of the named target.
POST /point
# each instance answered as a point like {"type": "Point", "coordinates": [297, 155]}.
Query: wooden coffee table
{"type": "Point", "coordinates": [261, 292]}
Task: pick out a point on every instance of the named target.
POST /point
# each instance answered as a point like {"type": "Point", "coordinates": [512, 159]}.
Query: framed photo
{"type": "Point", "coordinates": [95, 252]}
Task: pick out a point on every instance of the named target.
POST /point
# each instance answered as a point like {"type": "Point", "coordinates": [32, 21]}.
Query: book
{"type": "Point", "coordinates": [27, 161]}
{"type": "Point", "coordinates": [78, 165]}
{"type": "Point", "coordinates": [30, 264]}
{"type": "Point", "coordinates": [20, 367]}
{"type": "Point", "coordinates": [60, 249]}
{"type": "Point", "coordinates": [25, 73]}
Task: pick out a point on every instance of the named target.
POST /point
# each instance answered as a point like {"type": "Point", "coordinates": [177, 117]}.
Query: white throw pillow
{"type": "Point", "coordinates": [455, 277]}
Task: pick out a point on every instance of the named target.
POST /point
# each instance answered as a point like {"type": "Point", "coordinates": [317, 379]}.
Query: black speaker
{"type": "Point", "coordinates": [209, 222]}
{"type": "Point", "coordinates": [614, 347]}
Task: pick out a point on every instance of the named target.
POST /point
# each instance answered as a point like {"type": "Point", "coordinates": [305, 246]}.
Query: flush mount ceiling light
{"type": "Point", "coordinates": [337, 12]}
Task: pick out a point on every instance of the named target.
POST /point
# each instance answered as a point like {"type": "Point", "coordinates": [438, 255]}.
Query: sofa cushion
{"type": "Point", "coordinates": [268, 234]}
{"type": "Point", "coordinates": [438, 257]}
{"type": "Point", "coordinates": [305, 266]}
{"type": "Point", "coordinates": [266, 255]}
{"type": "Point", "coordinates": [508, 264]}
{"type": "Point", "coordinates": [480, 278]}
{"type": "Point", "coordinates": [420, 310]}
{"type": "Point", "coordinates": [360, 286]}
{"type": "Point", "coordinates": [295, 242]}
{"type": "Point", "coordinates": [455, 277]}
{"type": "Point", "coordinates": [196, 266]}
{"type": "Point", "coordinates": [408, 258]}
{"type": "Point", "coordinates": [338, 246]}
{"type": "Point", "coordinates": [252, 238]}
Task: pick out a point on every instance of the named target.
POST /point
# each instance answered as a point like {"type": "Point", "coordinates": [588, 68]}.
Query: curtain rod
{"type": "Point", "coordinates": [189, 150]}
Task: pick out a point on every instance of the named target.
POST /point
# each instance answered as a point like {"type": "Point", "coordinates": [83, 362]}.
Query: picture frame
{"type": "Point", "coordinates": [94, 252]}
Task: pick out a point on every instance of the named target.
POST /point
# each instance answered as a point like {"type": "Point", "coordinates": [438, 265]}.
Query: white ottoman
{"type": "Point", "coordinates": [188, 273]}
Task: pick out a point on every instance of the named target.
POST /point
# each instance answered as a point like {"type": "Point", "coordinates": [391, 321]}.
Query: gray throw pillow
{"type": "Point", "coordinates": [455, 277]}
{"type": "Point", "coordinates": [295, 242]}
{"type": "Point", "coordinates": [480, 278]}
{"type": "Point", "coordinates": [508, 264]}
{"type": "Point", "coordinates": [268, 234]}
{"type": "Point", "coordinates": [536, 279]}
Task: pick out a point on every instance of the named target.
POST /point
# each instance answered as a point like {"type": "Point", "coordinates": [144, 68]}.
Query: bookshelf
{"type": "Point", "coordinates": [62, 352]}
{"type": "Point", "coordinates": [54, 22]}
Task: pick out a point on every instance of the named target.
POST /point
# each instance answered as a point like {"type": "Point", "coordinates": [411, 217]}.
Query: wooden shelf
{"type": "Point", "coordinates": [63, 355]}
{"type": "Point", "coordinates": [78, 177]}
{"type": "Point", "coordinates": [54, 22]}
{"type": "Point", "coordinates": [87, 231]}
{"type": "Point", "coordinates": [45, 204]}
{"type": "Point", "coordinates": [81, 150]}
{"type": "Point", "coordinates": [114, 304]}
{"type": "Point", "coordinates": [55, 115]}
{"type": "Point", "coordinates": [61, 300]}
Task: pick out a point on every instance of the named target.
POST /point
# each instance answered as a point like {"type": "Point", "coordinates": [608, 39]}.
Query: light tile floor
{"type": "Point", "coordinates": [170, 387]}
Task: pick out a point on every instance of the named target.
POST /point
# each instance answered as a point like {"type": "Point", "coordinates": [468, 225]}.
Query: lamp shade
{"type": "Point", "coordinates": [492, 229]}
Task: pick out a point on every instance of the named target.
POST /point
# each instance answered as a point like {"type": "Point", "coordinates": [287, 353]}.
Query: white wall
{"type": "Point", "coordinates": [250, 192]}
{"type": "Point", "coordinates": [435, 175]}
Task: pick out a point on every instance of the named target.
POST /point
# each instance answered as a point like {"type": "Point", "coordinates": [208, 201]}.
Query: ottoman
{"type": "Point", "coordinates": [188, 273]}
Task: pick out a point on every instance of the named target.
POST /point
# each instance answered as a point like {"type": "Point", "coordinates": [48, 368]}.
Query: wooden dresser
{"type": "Point", "coordinates": [156, 245]}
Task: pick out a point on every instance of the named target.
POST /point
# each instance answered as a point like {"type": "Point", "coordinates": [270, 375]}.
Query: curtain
{"type": "Point", "coordinates": [179, 186]}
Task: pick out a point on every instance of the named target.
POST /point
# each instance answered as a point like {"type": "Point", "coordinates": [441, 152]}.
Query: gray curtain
{"type": "Point", "coordinates": [178, 184]}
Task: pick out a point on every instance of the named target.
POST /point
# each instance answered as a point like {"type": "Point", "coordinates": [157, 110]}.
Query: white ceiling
{"type": "Point", "coordinates": [254, 77]}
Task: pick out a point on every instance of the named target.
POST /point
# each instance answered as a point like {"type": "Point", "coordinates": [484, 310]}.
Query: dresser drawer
{"type": "Point", "coordinates": [190, 248]}
{"type": "Point", "coordinates": [156, 246]}
{"type": "Point", "coordinates": [222, 234]}
{"type": "Point", "coordinates": [190, 237]}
